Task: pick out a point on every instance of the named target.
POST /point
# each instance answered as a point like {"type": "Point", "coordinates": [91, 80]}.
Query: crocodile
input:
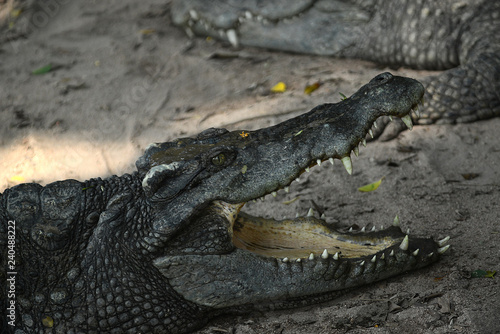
{"type": "Point", "coordinates": [165, 248]}
{"type": "Point", "coordinates": [459, 38]}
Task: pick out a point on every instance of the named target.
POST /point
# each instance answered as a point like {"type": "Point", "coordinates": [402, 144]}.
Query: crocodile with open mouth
{"type": "Point", "coordinates": [165, 248]}
{"type": "Point", "coordinates": [459, 37]}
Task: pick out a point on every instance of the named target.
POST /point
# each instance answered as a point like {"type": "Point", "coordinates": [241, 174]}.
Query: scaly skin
{"type": "Point", "coordinates": [165, 248]}
{"type": "Point", "coordinates": [460, 38]}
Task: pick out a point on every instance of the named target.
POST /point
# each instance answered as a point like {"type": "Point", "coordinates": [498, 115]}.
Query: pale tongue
{"type": "Point", "coordinates": [300, 237]}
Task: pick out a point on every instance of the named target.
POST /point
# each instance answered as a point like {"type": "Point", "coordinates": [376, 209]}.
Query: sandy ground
{"type": "Point", "coordinates": [125, 77]}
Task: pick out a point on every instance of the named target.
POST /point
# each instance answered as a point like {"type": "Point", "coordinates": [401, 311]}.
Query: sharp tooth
{"type": "Point", "coordinates": [383, 256]}
{"type": "Point", "coordinates": [311, 256]}
{"type": "Point", "coordinates": [189, 32]}
{"type": "Point", "coordinates": [390, 118]}
{"type": "Point", "coordinates": [307, 170]}
{"type": "Point", "coordinates": [297, 179]}
{"type": "Point", "coordinates": [350, 229]}
{"type": "Point", "coordinates": [443, 242]}
{"type": "Point", "coordinates": [391, 253]}
{"type": "Point", "coordinates": [324, 255]}
{"type": "Point", "coordinates": [232, 37]}
{"type": "Point", "coordinates": [248, 15]}
{"type": "Point", "coordinates": [298, 260]}
{"type": "Point", "coordinates": [356, 151]}
{"type": "Point", "coordinates": [274, 193]}
{"type": "Point", "coordinates": [363, 142]}
{"type": "Point", "coordinates": [430, 254]}
{"type": "Point", "coordinates": [331, 160]}
{"type": "Point", "coordinates": [416, 111]}
{"type": "Point", "coordinates": [323, 216]}
{"type": "Point", "coordinates": [193, 14]}
{"type": "Point", "coordinates": [287, 189]}
{"type": "Point", "coordinates": [396, 221]}
{"type": "Point", "coordinates": [362, 263]}
{"type": "Point", "coordinates": [404, 244]}
{"type": "Point", "coordinates": [373, 229]}
{"type": "Point", "coordinates": [371, 133]}
{"type": "Point", "coordinates": [443, 249]}
{"type": "Point", "coordinates": [336, 256]}
{"type": "Point", "coordinates": [375, 125]}
{"type": "Point", "coordinates": [297, 215]}
{"type": "Point", "coordinates": [363, 230]}
{"type": "Point", "coordinates": [407, 120]}
{"type": "Point", "coordinates": [374, 259]}
{"type": "Point", "coordinates": [318, 162]}
{"type": "Point", "coordinates": [408, 231]}
{"type": "Point", "coordinates": [310, 213]}
{"type": "Point", "coordinates": [415, 253]}
{"type": "Point", "coordinates": [285, 259]}
{"type": "Point", "coordinates": [347, 164]}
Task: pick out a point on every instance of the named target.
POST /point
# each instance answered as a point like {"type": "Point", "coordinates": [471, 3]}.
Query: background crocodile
{"type": "Point", "coordinates": [165, 248]}
{"type": "Point", "coordinates": [460, 37]}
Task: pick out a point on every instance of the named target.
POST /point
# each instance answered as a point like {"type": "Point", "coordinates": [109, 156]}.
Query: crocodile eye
{"type": "Point", "coordinates": [219, 159]}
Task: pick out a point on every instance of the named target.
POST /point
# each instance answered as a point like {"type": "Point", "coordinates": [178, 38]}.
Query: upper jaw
{"type": "Point", "coordinates": [303, 147]}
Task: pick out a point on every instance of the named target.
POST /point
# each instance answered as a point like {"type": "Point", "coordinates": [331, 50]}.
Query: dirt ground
{"type": "Point", "coordinates": [123, 76]}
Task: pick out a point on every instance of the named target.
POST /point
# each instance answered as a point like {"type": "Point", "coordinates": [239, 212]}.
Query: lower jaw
{"type": "Point", "coordinates": [295, 259]}
{"type": "Point", "coordinates": [242, 277]}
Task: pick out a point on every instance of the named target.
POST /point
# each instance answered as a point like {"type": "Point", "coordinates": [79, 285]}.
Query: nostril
{"type": "Point", "coordinates": [382, 78]}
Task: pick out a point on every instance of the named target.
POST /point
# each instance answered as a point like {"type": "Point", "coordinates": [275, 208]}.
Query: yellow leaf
{"type": "Point", "coordinates": [372, 186]}
{"type": "Point", "coordinates": [280, 87]}
{"type": "Point", "coordinates": [311, 88]}
{"type": "Point", "coordinates": [147, 31]}
{"type": "Point", "coordinates": [48, 322]}
{"type": "Point", "coordinates": [490, 273]}
{"type": "Point", "coordinates": [17, 179]}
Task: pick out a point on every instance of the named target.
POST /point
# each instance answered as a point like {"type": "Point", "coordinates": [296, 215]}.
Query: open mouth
{"type": "Point", "coordinates": [309, 238]}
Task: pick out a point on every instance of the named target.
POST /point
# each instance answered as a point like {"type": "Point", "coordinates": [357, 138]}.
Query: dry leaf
{"type": "Point", "coordinates": [280, 87]}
